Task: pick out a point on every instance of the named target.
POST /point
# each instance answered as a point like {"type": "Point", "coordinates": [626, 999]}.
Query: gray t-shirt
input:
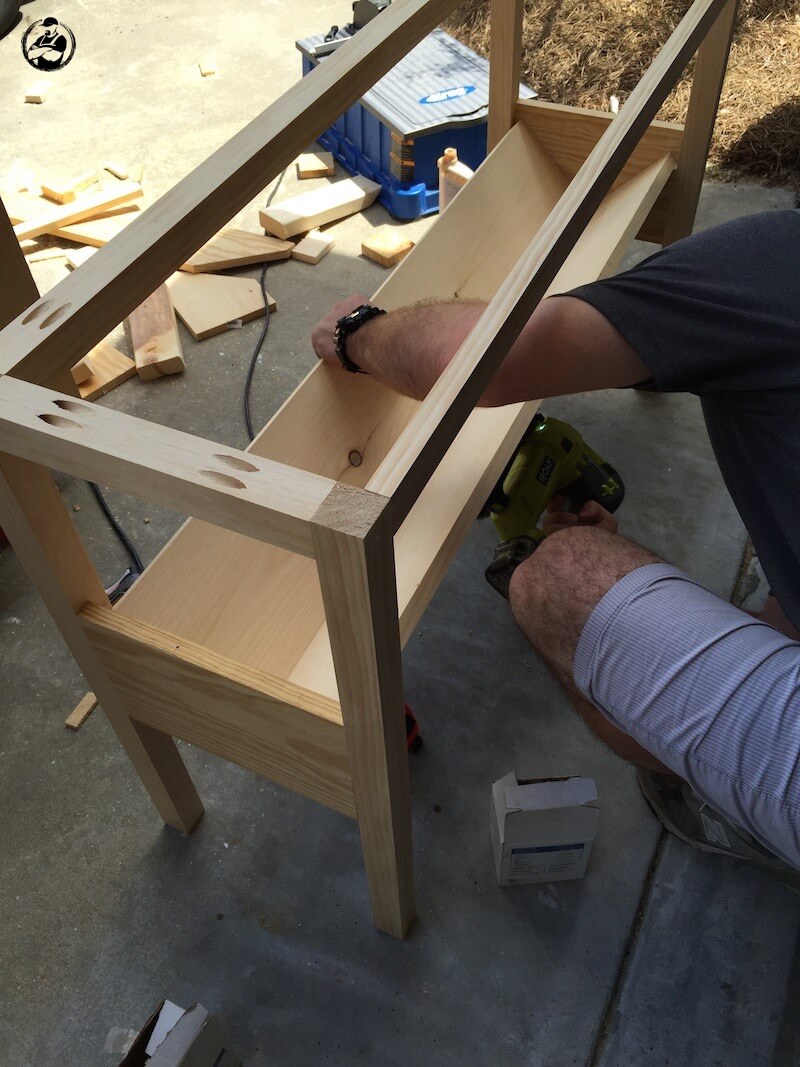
{"type": "Point", "coordinates": [718, 315]}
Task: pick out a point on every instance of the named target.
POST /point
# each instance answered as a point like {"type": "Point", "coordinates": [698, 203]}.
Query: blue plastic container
{"type": "Point", "coordinates": [436, 97]}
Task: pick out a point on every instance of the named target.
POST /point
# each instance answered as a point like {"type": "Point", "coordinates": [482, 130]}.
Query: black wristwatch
{"type": "Point", "coordinates": [349, 324]}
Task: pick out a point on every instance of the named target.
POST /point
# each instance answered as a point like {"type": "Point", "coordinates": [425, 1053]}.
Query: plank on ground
{"type": "Point", "coordinates": [98, 231]}
{"type": "Point", "coordinates": [66, 190]}
{"type": "Point", "coordinates": [208, 303]}
{"type": "Point", "coordinates": [305, 212]}
{"type": "Point", "coordinates": [154, 337]}
{"type": "Point", "coordinates": [84, 207]}
{"type": "Point", "coordinates": [237, 248]}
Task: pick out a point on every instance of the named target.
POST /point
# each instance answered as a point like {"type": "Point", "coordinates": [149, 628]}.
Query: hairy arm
{"type": "Point", "coordinates": [565, 347]}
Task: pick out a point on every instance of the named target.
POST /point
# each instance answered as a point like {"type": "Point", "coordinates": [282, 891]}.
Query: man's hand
{"type": "Point", "coordinates": [591, 514]}
{"type": "Point", "coordinates": [322, 335]}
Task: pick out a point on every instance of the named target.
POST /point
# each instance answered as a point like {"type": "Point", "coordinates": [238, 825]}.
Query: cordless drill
{"type": "Point", "coordinates": [552, 460]}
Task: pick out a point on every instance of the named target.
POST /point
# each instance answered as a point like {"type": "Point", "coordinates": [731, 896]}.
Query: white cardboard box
{"type": "Point", "coordinates": [543, 829]}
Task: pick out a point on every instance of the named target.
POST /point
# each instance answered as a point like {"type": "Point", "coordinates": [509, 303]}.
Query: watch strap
{"type": "Point", "coordinates": [348, 325]}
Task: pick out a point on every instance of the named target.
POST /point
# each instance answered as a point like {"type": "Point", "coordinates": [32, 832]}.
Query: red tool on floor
{"type": "Point", "coordinates": [413, 736]}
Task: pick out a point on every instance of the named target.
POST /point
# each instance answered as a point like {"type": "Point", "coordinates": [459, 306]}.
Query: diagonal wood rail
{"type": "Point", "coordinates": [429, 434]}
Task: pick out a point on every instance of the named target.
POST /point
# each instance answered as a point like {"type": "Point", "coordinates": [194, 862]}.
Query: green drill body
{"type": "Point", "coordinates": [552, 460]}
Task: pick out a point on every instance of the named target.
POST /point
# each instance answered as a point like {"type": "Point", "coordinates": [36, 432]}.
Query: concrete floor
{"type": "Point", "coordinates": [661, 955]}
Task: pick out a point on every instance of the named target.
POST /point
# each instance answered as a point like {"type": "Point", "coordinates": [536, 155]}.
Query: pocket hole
{"type": "Point", "coordinates": [34, 313]}
{"type": "Point", "coordinates": [72, 405]}
{"type": "Point", "coordinates": [236, 463]}
{"type": "Point", "coordinates": [224, 479]}
{"type": "Point", "coordinates": [355, 459]}
{"type": "Point", "coordinates": [57, 420]}
{"type": "Point", "coordinates": [54, 316]}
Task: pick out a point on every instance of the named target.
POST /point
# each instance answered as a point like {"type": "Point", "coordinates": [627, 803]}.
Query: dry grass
{"type": "Point", "coordinates": [582, 52]}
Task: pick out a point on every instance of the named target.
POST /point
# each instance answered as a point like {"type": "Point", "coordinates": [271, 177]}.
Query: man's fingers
{"type": "Point", "coordinates": [557, 503]}
{"type": "Point", "coordinates": [594, 514]}
{"type": "Point", "coordinates": [556, 521]}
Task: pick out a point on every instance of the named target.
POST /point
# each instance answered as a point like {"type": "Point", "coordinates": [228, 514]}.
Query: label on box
{"type": "Point", "coordinates": [546, 859]}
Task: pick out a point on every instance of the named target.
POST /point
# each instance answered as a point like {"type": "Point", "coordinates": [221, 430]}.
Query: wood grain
{"type": "Point", "coordinates": [110, 368]}
{"type": "Point", "coordinates": [207, 304]}
{"type": "Point", "coordinates": [154, 337]}
{"type": "Point", "coordinates": [261, 723]}
{"type": "Point", "coordinates": [360, 592]}
{"type": "Point", "coordinates": [232, 247]}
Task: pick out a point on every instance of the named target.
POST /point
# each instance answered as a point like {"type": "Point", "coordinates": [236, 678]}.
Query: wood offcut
{"type": "Point", "coordinates": [307, 211]}
{"type": "Point", "coordinates": [154, 337]}
{"type": "Point", "coordinates": [208, 304]}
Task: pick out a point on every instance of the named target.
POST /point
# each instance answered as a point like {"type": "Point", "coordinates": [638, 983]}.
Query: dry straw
{"type": "Point", "coordinates": [583, 52]}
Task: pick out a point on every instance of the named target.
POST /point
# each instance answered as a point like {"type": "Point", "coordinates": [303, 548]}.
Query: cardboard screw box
{"type": "Point", "coordinates": [543, 828]}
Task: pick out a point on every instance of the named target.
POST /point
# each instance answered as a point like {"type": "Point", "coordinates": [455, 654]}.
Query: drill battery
{"type": "Point", "coordinates": [552, 460]}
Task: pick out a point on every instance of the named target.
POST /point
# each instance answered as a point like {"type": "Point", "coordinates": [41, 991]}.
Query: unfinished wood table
{"type": "Point", "coordinates": [269, 630]}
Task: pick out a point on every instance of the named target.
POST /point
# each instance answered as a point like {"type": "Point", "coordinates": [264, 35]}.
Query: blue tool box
{"type": "Point", "coordinates": [437, 97]}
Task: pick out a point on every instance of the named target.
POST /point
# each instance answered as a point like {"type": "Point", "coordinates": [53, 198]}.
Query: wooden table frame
{"type": "Point", "coordinates": [331, 725]}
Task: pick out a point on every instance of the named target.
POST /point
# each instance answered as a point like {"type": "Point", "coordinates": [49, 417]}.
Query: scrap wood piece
{"type": "Point", "coordinates": [154, 336]}
{"type": "Point", "coordinates": [305, 212]}
{"type": "Point", "coordinates": [386, 245]}
{"type": "Point", "coordinates": [237, 248]}
{"type": "Point", "coordinates": [111, 368]}
{"type": "Point", "coordinates": [81, 712]}
{"type": "Point", "coordinates": [39, 255]}
{"type": "Point", "coordinates": [207, 304]}
{"type": "Point", "coordinates": [315, 165]}
{"type": "Point", "coordinates": [66, 190]}
{"type": "Point", "coordinates": [98, 231]}
{"type": "Point", "coordinates": [83, 370]}
{"type": "Point", "coordinates": [75, 257]}
{"type": "Point", "coordinates": [85, 206]}
{"type": "Point", "coordinates": [314, 247]}
{"type": "Point", "coordinates": [117, 169]}
{"type": "Point", "coordinates": [37, 93]}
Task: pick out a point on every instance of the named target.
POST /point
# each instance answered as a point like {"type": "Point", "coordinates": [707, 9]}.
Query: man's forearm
{"type": "Point", "coordinates": [565, 347]}
{"type": "Point", "coordinates": [409, 348]}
